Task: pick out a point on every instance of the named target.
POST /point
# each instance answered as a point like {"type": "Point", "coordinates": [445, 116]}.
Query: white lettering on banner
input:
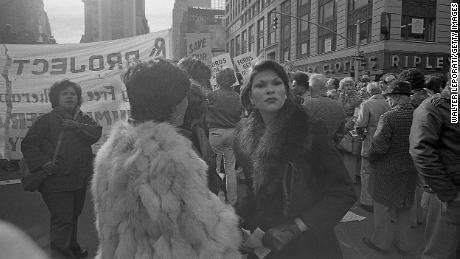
{"type": "Point", "coordinates": [244, 62]}
{"type": "Point", "coordinates": [218, 64]}
{"type": "Point", "coordinates": [199, 47]}
{"type": "Point", "coordinates": [34, 68]}
{"type": "Point", "coordinates": [57, 66]}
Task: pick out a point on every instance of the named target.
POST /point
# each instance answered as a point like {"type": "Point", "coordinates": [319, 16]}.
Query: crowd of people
{"type": "Point", "coordinates": [165, 181]}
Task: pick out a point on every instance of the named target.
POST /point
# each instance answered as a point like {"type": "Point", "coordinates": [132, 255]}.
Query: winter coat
{"type": "Point", "coordinates": [368, 118]}
{"type": "Point", "coordinates": [224, 109]}
{"type": "Point", "coordinates": [320, 189]}
{"type": "Point", "coordinates": [331, 113]}
{"type": "Point", "coordinates": [75, 157]}
{"type": "Point", "coordinates": [393, 175]}
{"type": "Point", "coordinates": [152, 201]}
{"type": "Point", "coordinates": [435, 146]}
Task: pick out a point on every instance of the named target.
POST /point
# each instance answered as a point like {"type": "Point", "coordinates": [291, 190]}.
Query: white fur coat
{"type": "Point", "coordinates": [152, 201]}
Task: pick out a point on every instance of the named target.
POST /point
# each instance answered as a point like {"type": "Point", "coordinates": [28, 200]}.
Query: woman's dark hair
{"type": "Point", "coordinates": [60, 86]}
{"type": "Point", "coordinates": [414, 77]}
{"type": "Point", "coordinates": [434, 83]}
{"type": "Point", "coordinates": [259, 67]}
{"type": "Point", "coordinates": [195, 69]}
{"type": "Point", "coordinates": [154, 88]}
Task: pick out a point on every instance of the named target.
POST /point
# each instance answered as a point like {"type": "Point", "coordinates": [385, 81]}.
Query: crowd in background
{"type": "Point", "coordinates": [297, 140]}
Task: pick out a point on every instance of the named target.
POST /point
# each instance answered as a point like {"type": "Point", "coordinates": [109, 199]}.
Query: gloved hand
{"type": "Point", "coordinates": [50, 167]}
{"type": "Point", "coordinates": [277, 238]}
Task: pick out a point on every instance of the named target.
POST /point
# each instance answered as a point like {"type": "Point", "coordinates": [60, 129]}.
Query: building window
{"type": "Point", "coordinates": [327, 12]}
{"type": "Point", "coordinates": [285, 40]}
{"type": "Point", "coordinates": [271, 29]}
{"type": "Point", "coordinates": [260, 35]}
{"type": "Point", "coordinates": [232, 48]}
{"type": "Point", "coordinates": [251, 38]}
{"type": "Point", "coordinates": [327, 40]}
{"type": "Point", "coordinates": [303, 36]}
{"type": "Point", "coordinates": [237, 45]}
{"type": "Point", "coordinates": [356, 4]}
{"type": "Point", "coordinates": [303, 2]}
{"type": "Point", "coordinates": [418, 21]}
{"type": "Point", "coordinates": [362, 11]}
{"type": "Point", "coordinates": [418, 28]}
{"type": "Point", "coordinates": [244, 41]}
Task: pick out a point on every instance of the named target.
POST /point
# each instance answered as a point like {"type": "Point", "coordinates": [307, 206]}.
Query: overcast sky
{"type": "Point", "coordinates": [67, 17]}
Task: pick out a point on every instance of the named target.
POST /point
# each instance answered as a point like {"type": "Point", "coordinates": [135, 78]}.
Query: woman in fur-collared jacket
{"type": "Point", "coordinates": [150, 186]}
{"type": "Point", "coordinates": [300, 187]}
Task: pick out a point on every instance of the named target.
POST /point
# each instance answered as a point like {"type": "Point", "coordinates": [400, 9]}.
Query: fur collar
{"type": "Point", "coordinates": [268, 148]}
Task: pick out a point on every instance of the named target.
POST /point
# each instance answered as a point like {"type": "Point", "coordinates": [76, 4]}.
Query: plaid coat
{"type": "Point", "coordinates": [393, 174]}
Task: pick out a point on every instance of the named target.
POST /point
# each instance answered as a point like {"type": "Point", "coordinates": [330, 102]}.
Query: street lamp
{"type": "Point", "coordinates": [357, 43]}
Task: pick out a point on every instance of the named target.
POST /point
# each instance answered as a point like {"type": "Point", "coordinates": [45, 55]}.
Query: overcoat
{"type": "Point", "coordinates": [320, 190]}
{"type": "Point", "coordinates": [152, 201]}
{"type": "Point", "coordinates": [393, 174]}
{"type": "Point", "coordinates": [368, 118]}
{"type": "Point", "coordinates": [75, 157]}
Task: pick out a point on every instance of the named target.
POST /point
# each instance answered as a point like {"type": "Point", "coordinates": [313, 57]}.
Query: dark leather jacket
{"type": "Point", "coordinates": [435, 146]}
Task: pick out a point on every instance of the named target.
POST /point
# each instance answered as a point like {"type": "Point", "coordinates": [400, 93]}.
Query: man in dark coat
{"type": "Point", "coordinates": [321, 190]}
{"type": "Point", "coordinates": [435, 148]}
{"type": "Point", "coordinates": [330, 111]}
{"type": "Point", "coordinates": [393, 175]}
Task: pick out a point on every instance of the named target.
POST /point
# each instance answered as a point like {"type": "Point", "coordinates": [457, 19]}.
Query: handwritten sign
{"type": "Point", "coordinates": [244, 62]}
{"type": "Point", "coordinates": [417, 26]}
{"type": "Point", "coordinates": [218, 64]}
{"type": "Point", "coordinates": [199, 46]}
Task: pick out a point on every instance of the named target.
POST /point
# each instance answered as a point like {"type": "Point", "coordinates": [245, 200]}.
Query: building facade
{"type": "Point", "coordinates": [114, 19]}
{"type": "Point", "coordinates": [24, 22]}
{"type": "Point", "coordinates": [198, 16]}
{"type": "Point", "coordinates": [393, 35]}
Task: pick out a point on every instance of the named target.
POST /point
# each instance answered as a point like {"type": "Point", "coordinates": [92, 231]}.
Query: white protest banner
{"type": "Point", "coordinates": [218, 64]}
{"type": "Point", "coordinates": [199, 46]}
{"type": "Point", "coordinates": [244, 62]}
{"type": "Point", "coordinates": [95, 66]}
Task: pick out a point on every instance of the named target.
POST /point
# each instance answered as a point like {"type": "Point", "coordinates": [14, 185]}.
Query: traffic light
{"type": "Point", "coordinates": [275, 23]}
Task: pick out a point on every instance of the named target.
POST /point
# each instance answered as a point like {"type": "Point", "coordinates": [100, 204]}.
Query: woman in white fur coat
{"type": "Point", "coordinates": [150, 186]}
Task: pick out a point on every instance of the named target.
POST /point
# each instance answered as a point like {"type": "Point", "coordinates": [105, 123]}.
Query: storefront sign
{"type": "Point", "coordinates": [401, 61]}
{"type": "Point", "coordinates": [343, 66]}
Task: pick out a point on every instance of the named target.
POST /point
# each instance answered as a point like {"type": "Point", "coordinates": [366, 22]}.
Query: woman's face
{"type": "Point", "coordinates": [68, 98]}
{"type": "Point", "coordinates": [268, 92]}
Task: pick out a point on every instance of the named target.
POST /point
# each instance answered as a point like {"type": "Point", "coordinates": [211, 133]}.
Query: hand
{"type": "Point", "coordinates": [50, 167]}
{"type": "Point", "coordinates": [246, 250]}
{"type": "Point", "coordinates": [277, 238]}
{"type": "Point", "coordinates": [70, 124]}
